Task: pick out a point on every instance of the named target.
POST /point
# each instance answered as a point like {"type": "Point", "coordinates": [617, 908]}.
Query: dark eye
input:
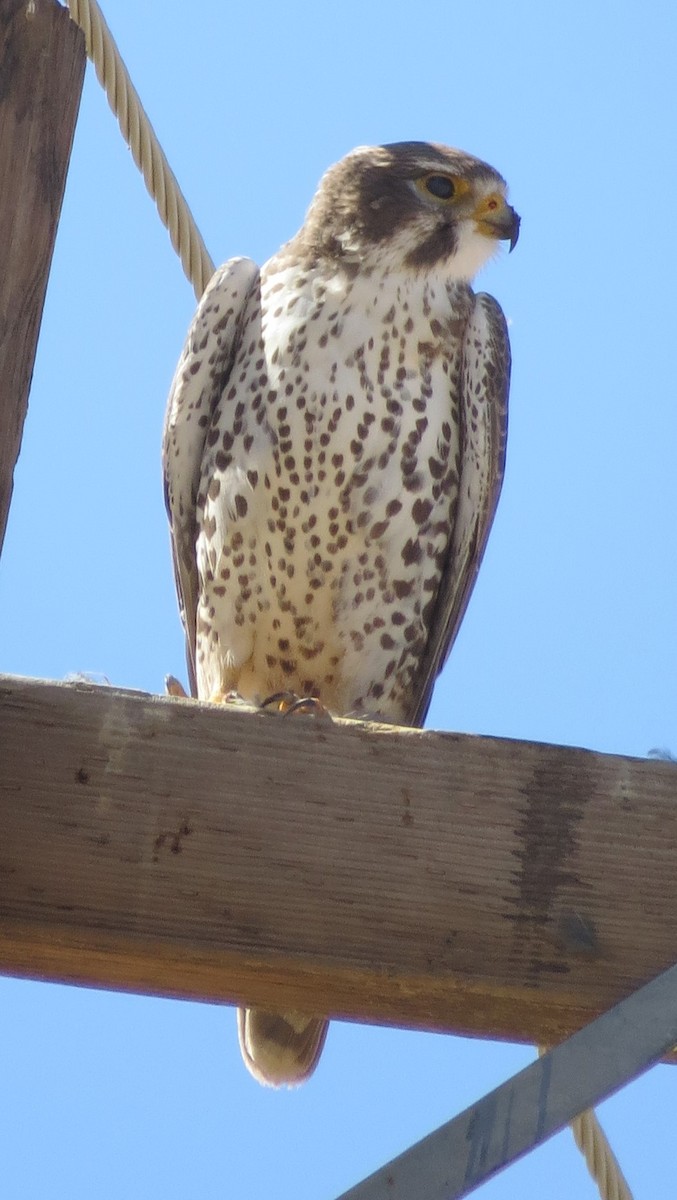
{"type": "Point", "coordinates": [440, 186]}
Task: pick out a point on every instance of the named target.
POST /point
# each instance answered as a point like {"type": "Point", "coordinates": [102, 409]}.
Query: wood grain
{"type": "Point", "coordinates": [42, 64]}
{"type": "Point", "coordinates": [486, 887]}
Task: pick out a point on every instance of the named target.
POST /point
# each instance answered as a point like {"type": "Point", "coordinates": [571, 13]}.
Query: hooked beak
{"type": "Point", "coordinates": [495, 218]}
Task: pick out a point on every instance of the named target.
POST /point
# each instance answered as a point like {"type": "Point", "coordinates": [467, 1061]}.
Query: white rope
{"type": "Point", "coordinates": [140, 136]}
{"type": "Point", "coordinates": [198, 266]}
{"type": "Point", "coordinates": [599, 1157]}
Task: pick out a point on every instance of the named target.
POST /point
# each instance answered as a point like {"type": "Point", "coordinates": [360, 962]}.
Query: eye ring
{"type": "Point", "coordinates": [439, 186]}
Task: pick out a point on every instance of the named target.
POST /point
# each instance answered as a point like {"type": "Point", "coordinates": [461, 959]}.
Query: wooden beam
{"type": "Point", "coordinates": [43, 63]}
{"type": "Point", "coordinates": [486, 887]}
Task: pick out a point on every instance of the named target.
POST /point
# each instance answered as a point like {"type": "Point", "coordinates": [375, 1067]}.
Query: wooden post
{"type": "Point", "coordinates": [467, 884]}
{"type": "Point", "coordinates": [42, 64]}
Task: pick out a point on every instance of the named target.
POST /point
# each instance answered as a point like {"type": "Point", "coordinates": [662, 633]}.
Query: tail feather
{"type": "Point", "coordinates": [280, 1049]}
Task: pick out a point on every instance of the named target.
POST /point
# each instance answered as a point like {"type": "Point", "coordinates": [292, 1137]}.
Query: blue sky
{"type": "Point", "coordinates": [570, 635]}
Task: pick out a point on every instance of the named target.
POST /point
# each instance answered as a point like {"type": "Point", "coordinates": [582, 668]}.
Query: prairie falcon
{"type": "Point", "coordinates": [333, 454]}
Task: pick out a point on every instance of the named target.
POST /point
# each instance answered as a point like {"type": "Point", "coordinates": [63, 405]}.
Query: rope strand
{"type": "Point", "coordinates": [599, 1157]}
{"type": "Point", "coordinates": [142, 140]}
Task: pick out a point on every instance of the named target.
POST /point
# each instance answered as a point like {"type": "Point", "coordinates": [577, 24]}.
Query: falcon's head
{"type": "Point", "coordinates": [409, 206]}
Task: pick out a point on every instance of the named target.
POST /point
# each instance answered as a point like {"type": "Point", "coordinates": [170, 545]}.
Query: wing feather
{"type": "Point", "coordinates": [201, 375]}
{"type": "Point", "coordinates": [484, 427]}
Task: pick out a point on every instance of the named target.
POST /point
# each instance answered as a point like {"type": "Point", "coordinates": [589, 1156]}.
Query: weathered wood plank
{"type": "Point", "coordinates": [42, 53]}
{"type": "Point", "coordinates": [470, 884]}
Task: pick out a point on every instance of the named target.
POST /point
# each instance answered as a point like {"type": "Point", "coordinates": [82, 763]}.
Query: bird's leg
{"type": "Point", "coordinates": [311, 705]}
{"type": "Point", "coordinates": [280, 701]}
{"type": "Point", "coordinates": [176, 689]}
{"type": "Point", "coordinates": [229, 697]}
{"type": "Point", "coordinates": [374, 718]}
{"type": "Point", "coordinates": [289, 703]}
